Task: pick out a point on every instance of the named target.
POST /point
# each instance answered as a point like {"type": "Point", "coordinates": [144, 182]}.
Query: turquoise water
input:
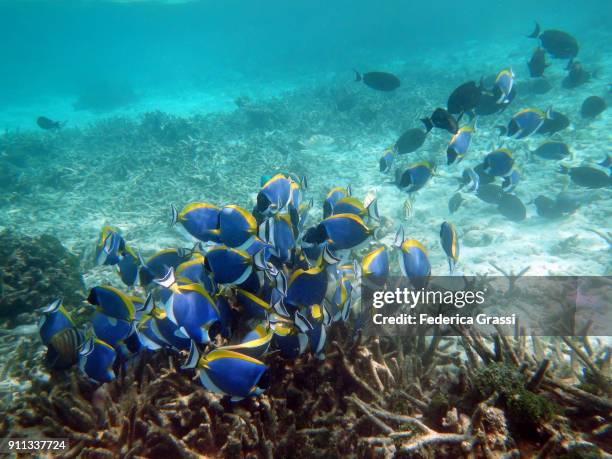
{"type": "Point", "coordinates": [52, 51]}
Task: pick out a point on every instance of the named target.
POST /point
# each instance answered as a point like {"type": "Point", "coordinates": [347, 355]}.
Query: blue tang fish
{"type": "Point", "coordinates": [237, 226]}
{"type": "Point", "coordinates": [227, 372]}
{"type": "Point", "coordinates": [112, 302]}
{"type": "Point", "coordinates": [199, 219]}
{"type": "Point", "coordinates": [275, 195]}
{"type": "Point", "coordinates": [505, 81]}
{"type": "Point", "coordinates": [413, 260]}
{"type": "Point", "coordinates": [375, 267]}
{"type": "Point", "coordinates": [414, 177]}
{"type": "Point", "coordinates": [333, 196]}
{"type": "Point", "coordinates": [193, 310]}
{"type": "Point", "coordinates": [450, 244]}
{"type": "Point", "coordinates": [498, 163]}
{"type": "Point", "coordinates": [96, 360]}
{"type": "Point", "coordinates": [527, 122]}
{"type": "Point", "coordinates": [228, 265]}
{"type": "Point", "coordinates": [459, 144]}
{"type": "Point", "coordinates": [385, 163]}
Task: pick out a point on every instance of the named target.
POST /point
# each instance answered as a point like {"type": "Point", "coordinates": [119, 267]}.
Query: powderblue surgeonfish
{"type": "Point", "coordinates": [160, 262]}
{"type": "Point", "coordinates": [505, 81]}
{"type": "Point", "coordinates": [110, 245]}
{"type": "Point", "coordinates": [352, 205]}
{"type": "Point", "coordinates": [307, 286]}
{"type": "Point", "coordinates": [413, 260]}
{"type": "Point", "coordinates": [414, 177]}
{"type": "Point", "coordinates": [109, 329]}
{"type": "Point", "coordinates": [60, 335]}
{"type": "Point", "coordinates": [96, 360]}
{"type": "Point", "coordinates": [342, 232]}
{"type": "Point", "coordinates": [275, 195]}
{"type": "Point", "coordinates": [375, 267]}
{"type": "Point", "coordinates": [333, 196]}
{"type": "Point", "coordinates": [499, 162]}
{"type": "Point", "coordinates": [255, 343]}
{"type": "Point", "coordinates": [199, 219]}
{"type": "Point", "coordinates": [227, 372]}
{"type": "Point", "coordinates": [194, 271]}
{"type": "Point", "coordinates": [112, 302]}
{"type": "Point", "coordinates": [191, 308]}
{"type": "Point", "coordinates": [157, 331]}
{"type": "Point", "coordinates": [290, 336]}
{"type": "Point", "coordinates": [228, 265]}
{"type": "Point", "coordinates": [340, 299]}
{"type": "Point", "coordinates": [386, 160]}
{"type": "Point", "coordinates": [237, 226]}
{"type": "Point", "coordinates": [527, 122]}
{"type": "Point", "coordinates": [450, 244]}
{"type": "Point", "coordinates": [319, 319]}
{"type": "Point", "coordinates": [459, 144]}
{"type": "Point", "coordinates": [279, 232]}
{"type": "Point", "coordinates": [253, 305]}
{"type": "Point", "coordinates": [511, 181]}
{"type": "Point", "coordinates": [112, 250]}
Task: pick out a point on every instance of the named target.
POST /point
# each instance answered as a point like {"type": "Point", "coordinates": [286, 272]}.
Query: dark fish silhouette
{"type": "Point", "coordinates": [537, 64]}
{"type": "Point", "coordinates": [410, 141]}
{"type": "Point", "coordinates": [511, 207]}
{"type": "Point", "coordinates": [441, 119]}
{"type": "Point", "coordinates": [490, 193]}
{"type": "Point", "coordinates": [557, 43]}
{"type": "Point", "coordinates": [588, 177]}
{"type": "Point", "coordinates": [576, 76]}
{"type": "Point", "coordinates": [465, 98]}
{"type": "Point", "coordinates": [48, 124]}
{"type": "Point", "coordinates": [557, 122]}
{"type": "Point", "coordinates": [489, 104]}
{"type": "Point", "coordinates": [455, 202]}
{"type": "Point", "coordinates": [553, 150]}
{"type": "Point", "coordinates": [546, 207]}
{"type": "Point", "coordinates": [592, 106]}
{"type": "Point", "coordinates": [381, 81]}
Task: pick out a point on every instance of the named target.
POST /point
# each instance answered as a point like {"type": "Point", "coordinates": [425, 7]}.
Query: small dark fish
{"type": "Point", "coordinates": [537, 64]}
{"type": "Point", "coordinates": [381, 81]}
{"type": "Point", "coordinates": [48, 124]}
{"type": "Point", "coordinates": [464, 98]}
{"type": "Point", "coordinates": [556, 123]}
{"type": "Point", "coordinates": [588, 177]}
{"type": "Point", "coordinates": [455, 202]}
{"type": "Point", "coordinates": [484, 177]}
{"type": "Point", "coordinates": [557, 43]}
{"type": "Point", "coordinates": [592, 106]}
{"type": "Point", "coordinates": [546, 207]}
{"type": "Point", "coordinates": [410, 141]}
{"type": "Point", "coordinates": [567, 203]}
{"type": "Point", "coordinates": [576, 76]}
{"type": "Point", "coordinates": [552, 149]}
{"type": "Point", "coordinates": [442, 119]}
{"type": "Point", "coordinates": [511, 207]}
{"type": "Point", "coordinates": [489, 104]}
{"type": "Point", "coordinates": [490, 193]}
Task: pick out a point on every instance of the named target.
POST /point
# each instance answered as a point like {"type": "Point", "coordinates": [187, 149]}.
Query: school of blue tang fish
{"type": "Point", "coordinates": [262, 282]}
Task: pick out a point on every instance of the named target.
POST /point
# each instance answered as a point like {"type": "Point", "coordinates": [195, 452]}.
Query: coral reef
{"type": "Point", "coordinates": [370, 397]}
{"type": "Point", "coordinates": [34, 271]}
